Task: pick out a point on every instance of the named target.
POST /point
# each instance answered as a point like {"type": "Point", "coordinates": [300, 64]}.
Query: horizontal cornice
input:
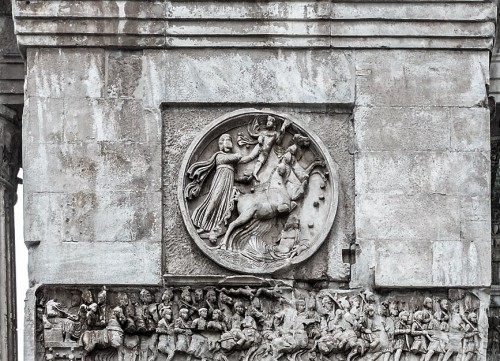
{"type": "Point", "coordinates": [282, 24]}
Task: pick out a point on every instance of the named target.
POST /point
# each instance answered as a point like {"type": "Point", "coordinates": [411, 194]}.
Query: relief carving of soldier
{"type": "Point", "coordinates": [275, 326]}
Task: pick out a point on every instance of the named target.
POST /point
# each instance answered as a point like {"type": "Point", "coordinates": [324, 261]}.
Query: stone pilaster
{"type": "Point", "coordinates": [9, 165]}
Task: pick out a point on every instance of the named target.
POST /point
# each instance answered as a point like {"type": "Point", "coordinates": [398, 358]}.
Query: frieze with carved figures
{"type": "Point", "coordinates": [274, 321]}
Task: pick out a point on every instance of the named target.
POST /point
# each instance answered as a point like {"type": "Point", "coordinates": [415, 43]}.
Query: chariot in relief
{"type": "Point", "coordinates": [258, 191]}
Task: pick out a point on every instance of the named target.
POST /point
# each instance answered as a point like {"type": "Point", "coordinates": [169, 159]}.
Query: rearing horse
{"type": "Point", "coordinates": [276, 197]}
{"type": "Point", "coordinates": [110, 337]}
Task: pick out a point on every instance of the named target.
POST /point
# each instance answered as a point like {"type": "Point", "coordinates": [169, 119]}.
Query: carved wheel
{"type": "Point", "coordinates": [258, 191]}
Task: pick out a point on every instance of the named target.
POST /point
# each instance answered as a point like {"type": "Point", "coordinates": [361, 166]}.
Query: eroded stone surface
{"type": "Point", "coordinates": [261, 320]}
{"type": "Point", "coordinates": [180, 135]}
{"type": "Point", "coordinates": [106, 130]}
{"type": "Point", "coordinates": [258, 191]}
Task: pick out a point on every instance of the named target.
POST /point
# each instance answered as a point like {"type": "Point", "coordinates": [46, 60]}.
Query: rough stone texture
{"type": "Point", "coordinates": [422, 175]}
{"type": "Point", "coordinates": [182, 256]}
{"type": "Point", "coordinates": [85, 81]}
{"type": "Point", "coordinates": [313, 24]}
{"type": "Point", "coordinates": [421, 78]}
{"type": "Point", "coordinates": [286, 77]}
{"type": "Point", "coordinates": [104, 130]}
{"type": "Point", "coordinates": [296, 302]}
{"type": "Point", "coordinates": [101, 169]}
{"type": "Point", "coordinates": [409, 120]}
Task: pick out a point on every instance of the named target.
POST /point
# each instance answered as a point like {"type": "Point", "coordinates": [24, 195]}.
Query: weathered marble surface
{"type": "Point", "coordinates": [311, 24]}
{"type": "Point", "coordinates": [396, 91]}
{"type": "Point", "coordinates": [85, 144]}
{"type": "Point", "coordinates": [185, 123]}
{"type": "Point", "coordinates": [87, 135]}
{"type": "Point", "coordinates": [270, 320]}
{"type": "Point", "coordinates": [422, 192]}
{"type": "Point", "coordinates": [258, 191]}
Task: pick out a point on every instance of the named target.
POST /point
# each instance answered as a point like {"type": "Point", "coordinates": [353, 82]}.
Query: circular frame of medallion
{"type": "Point", "coordinates": [266, 206]}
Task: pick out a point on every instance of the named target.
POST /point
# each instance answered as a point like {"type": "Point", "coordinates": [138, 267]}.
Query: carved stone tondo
{"type": "Point", "coordinates": [258, 191]}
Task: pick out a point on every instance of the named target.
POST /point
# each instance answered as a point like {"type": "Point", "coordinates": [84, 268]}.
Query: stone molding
{"type": "Point", "coordinates": [494, 89]}
{"type": "Point", "coordinates": [278, 24]}
{"type": "Point", "coordinates": [11, 78]}
{"type": "Point", "coordinates": [11, 64]}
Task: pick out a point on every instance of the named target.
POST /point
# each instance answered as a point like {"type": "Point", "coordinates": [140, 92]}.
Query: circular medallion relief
{"type": "Point", "coordinates": [258, 191]}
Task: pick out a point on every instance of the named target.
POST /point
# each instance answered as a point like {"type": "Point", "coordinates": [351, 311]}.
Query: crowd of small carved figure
{"type": "Point", "coordinates": [260, 323]}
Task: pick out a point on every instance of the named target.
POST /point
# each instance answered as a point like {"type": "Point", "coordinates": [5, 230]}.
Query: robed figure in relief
{"type": "Point", "coordinates": [215, 210]}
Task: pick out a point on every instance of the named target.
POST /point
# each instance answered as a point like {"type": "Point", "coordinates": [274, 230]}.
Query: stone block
{"type": "Point", "coordinates": [62, 167]}
{"type": "Point", "coordinates": [90, 217]}
{"type": "Point", "coordinates": [91, 26]}
{"type": "Point", "coordinates": [124, 69]}
{"type": "Point", "coordinates": [421, 78]}
{"type": "Point", "coordinates": [112, 217]}
{"type": "Point", "coordinates": [92, 40]}
{"type": "Point", "coordinates": [476, 208]}
{"type": "Point", "coordinates": [398, 128]}
{"type": "Point", "coordinates": [247, 10]}
{"type": "Point", "coordinates": [436, 10]}
{"type": "Point", "coordinates": [65, 73]}
{"type": "Point", "coordinates": [270, 28]}
{"type": "Point", "coordinates": [374, 28]}
{"type": "Point", "coordinates": [43, 121]}
{"type": "Point", "coordinates": [470, 129]}
{"type": "Point", "coordinates": [403, 263]}
{"type": "Point", "coordinates": [363, 270]}
{"type": "Point", "coordinates": [422, 128]}
{"type": "Point", "coordinates": [99, 263]}
{"type": "Point", "coordinates": [475, 231]}
{"type": "Point", "coordinates": [92, 8]}
{"type": "Point", "coordinates": [337, 133]}
{"type": "Point", "coordinates": [406, 217]}
{"type": "Point", "coordinates": [256, 41]}
{"type": "Point", "coordinates": [42, 217]}
{"type": "Point", "coordinates": [115, 120]}
{"type": "Point", "coordinates": [407, 172]}
{"type": "Point", "coordinates": [93, 166]}
{"type": "Point", "coordinates": [405, 42]}
{"type": "Point", "coordinates": [30, 324]}
{"type": "Point", "coordinates": [339, 239]}
{"type": "Point", "coordinates": [470, 173]}
{"type": "Point", "coordinates": [264, 76]}
{"type": "Point", "coordinates": [461, 264]}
